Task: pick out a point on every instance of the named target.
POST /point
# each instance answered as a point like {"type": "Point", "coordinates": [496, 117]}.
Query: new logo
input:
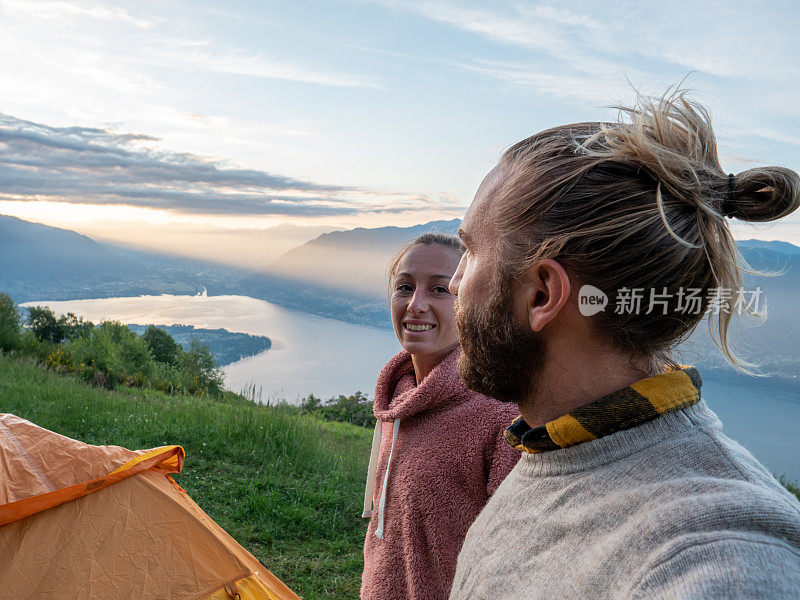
{"type": "Point", "coordinates": [591, 300]}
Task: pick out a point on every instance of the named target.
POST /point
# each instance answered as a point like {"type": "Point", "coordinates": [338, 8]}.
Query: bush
{"type": "Point", "coordinates": [355, 409]}
{"type": "Point", "coordinates": [166, 378]}
{"type": "Point", "coordinates": [201, 374]}
{"type": "Point", "coordinates": [9, 324]}
{"type": "Point", "coordinates": [30, 346]}
{"type": "Point", "coordinates": [44, 325]}
{"type": "Point", "coordinates": [113, 350]}
{"type": "Point", "coordinates": [47, 328]}
{"type": "Point", "coordinates": [74, 327]}
{"type": "Point", "coordinates": [162, 346]}
{"type": "Point", "coordinates": [110, 354]}
{"type": "Point", "coordinates": [60, 360]}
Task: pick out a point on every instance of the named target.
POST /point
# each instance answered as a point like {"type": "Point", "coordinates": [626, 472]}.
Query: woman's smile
{"type": "Point", "coordinates": [418, 327]}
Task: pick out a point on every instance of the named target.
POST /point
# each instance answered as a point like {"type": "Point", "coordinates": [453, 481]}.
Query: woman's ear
{"type": "Point", "coordinates": [548, 287]}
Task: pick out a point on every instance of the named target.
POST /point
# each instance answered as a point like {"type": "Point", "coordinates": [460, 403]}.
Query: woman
{"type": "Point", "coordinates": [438, 452]}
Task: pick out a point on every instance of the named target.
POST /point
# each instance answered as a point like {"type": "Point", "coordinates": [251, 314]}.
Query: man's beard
{"type": "Point", "coordinates": [498, 359]}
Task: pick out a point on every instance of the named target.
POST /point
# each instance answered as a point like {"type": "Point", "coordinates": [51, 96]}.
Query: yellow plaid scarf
{"type": "Point", "coordinates": [644, 400]}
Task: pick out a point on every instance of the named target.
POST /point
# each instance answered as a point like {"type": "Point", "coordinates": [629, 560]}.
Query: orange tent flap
{"type": "Point", "coordinates": [253, 588]}
{"type": "Point", "coordinates": [167, 459]}
{"type": "Point", "coordinates": [172, 464]}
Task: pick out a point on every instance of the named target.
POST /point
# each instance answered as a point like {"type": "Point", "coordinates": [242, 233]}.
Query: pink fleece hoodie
{"type": "Point", "coordinates": [448, 455]}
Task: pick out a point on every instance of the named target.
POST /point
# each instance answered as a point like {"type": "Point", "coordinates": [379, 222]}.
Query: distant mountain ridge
{"type": "Point", "coordinates": [772, 246]}
{"type": "Point", "coordinates": [355, 260]}
{"type": "Point", "coordinates": [380, 236]}
{"type": "Point", "coordinates": [352, 264]}
{"type": "Point", "coordinates": [40, 263]}
{"type": "Point", "coordinates": [32, 250]}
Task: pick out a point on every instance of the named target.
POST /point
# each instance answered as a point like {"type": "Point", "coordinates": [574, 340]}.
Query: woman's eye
{"type": "Point", "coordinates": [403, 287]}
{"type": "Point", "coordinates": [441, 289]}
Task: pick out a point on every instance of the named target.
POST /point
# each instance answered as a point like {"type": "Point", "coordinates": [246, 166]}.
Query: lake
{"type": "Point", "coordinates": [309, 354]}
{"type": "Point", "coordinates": [326, 357]}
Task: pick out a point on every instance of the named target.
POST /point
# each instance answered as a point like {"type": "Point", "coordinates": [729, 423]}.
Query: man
{"type": "Point", "coordinates": [627, 487]}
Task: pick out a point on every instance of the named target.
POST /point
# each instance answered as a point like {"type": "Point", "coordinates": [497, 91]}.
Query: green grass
{"type": "Point", "coordinates": [287, 486]}
{"type": "Point", "coordinates": [790, 485]}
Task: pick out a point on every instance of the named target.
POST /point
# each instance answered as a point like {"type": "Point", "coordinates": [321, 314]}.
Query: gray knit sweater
{"type": "Point", "coordinates": [669, 509]}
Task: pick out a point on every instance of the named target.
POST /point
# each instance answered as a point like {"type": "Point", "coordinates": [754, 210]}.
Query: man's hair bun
{"type": "Point", "coordinates": [765, 194]}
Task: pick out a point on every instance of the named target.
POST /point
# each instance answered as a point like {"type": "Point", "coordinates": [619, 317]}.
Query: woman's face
{"type": "Point", "coordinates": [421, 303]}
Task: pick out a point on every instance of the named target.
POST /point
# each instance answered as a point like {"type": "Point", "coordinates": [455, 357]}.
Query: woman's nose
{"type": "Point", "coordinates": [419, 302]}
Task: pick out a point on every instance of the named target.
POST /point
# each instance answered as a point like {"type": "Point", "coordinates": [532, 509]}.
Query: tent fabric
{"type": "Point", "coordinates": [111, 524]}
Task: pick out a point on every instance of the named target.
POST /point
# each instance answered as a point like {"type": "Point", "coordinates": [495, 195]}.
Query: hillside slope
{"type": "Point", "coordinates": [286, 486]}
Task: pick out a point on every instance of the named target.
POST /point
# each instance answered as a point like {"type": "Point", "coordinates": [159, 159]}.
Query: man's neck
{"type": "Point", "coordinates": [573, 377]}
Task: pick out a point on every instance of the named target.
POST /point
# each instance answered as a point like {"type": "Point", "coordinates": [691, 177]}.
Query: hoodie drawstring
{"type": "Point", "coordinates": [382, 505]}
{"type": "Point", "coordinates": [373, 466]}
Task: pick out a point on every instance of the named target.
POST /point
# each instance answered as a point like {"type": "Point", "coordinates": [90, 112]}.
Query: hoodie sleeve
{"type": "Point", "coordinates": [501, 457]}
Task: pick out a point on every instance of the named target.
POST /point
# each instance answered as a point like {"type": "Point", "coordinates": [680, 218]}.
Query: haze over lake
{"type": "Point", "coordinates": [326, 357]}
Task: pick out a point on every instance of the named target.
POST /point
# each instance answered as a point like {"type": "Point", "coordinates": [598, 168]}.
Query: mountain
{"type": "Point", "coordinates": [774, 345]}
{"type": "Point", "coordinates": [38, 262]}
{"type": "Point", "coordinates": [774, 246]}
{"type": "Point", "coordinates": [341, 274]}
{"type": "Point", "coordinates": [34, 256]}
{"type": "Point", "coordinates": [354, 261]}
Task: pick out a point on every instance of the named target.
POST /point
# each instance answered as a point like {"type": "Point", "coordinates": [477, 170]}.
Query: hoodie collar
{"type": "Point", "coordinates": [397, 395]}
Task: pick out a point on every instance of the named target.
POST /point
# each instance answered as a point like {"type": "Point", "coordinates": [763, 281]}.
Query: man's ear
{"type": "Point", "coordinates": [548, 286]}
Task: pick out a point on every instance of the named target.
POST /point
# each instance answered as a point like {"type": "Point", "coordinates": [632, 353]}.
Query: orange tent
{"type": "Point", "coordinates": [104, 522]}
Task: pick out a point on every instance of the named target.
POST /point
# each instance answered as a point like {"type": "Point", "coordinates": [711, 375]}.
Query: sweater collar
{"type": "Point", "coordinates": [397, 395]}
{"type": "Point", "coordinates": [626, 408]}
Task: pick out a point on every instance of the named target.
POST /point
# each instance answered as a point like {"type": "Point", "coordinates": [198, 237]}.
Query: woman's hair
{"type": "Point", "coordinates": [442, 239]}
{"type": "Point", "coordinates": [639, 204]}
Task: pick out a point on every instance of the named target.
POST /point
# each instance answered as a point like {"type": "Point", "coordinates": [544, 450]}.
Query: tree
{"type": "Point", "coordinates": [9, 324]}
{"type": "Point", "coordinates": [74, 327]}
{"type": "Point", "coordinates": [44, 325]}
{"type": "Point", "coordinates": [310, 403]}
{"type": "Point", "coordinates": [162, 345]}
{"type": "Point", "coordinates": [199, 366]}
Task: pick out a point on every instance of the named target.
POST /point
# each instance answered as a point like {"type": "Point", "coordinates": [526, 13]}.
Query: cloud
{"type": "Point", "coordinates": [598, 88]}
{"type": "Point", "coordinates": [82, 165]}
{"type": "Point", "coordinates": [200, 55]}
{"type": "Point", "coordinates": [716, 38]}
{"type": "Point", "coordinates": [778, 136]}
{"type": "Point", "coordinates": [736, 48]}
{"type": "Point", "coordinates": [61, 9]}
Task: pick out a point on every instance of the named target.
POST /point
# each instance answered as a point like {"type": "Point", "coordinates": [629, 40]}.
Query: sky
{"type": "Point", "coordinates": [199, 127]}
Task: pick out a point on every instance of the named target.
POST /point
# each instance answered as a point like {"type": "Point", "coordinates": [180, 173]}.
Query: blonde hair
{"type": "Point", "coordinates": [637, 204]}
{"type": "Point", "coordinates": [442, 239]}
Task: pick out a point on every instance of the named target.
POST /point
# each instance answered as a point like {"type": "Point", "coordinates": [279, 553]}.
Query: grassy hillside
{"type": "Point", "coordinates": [287, 486]}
